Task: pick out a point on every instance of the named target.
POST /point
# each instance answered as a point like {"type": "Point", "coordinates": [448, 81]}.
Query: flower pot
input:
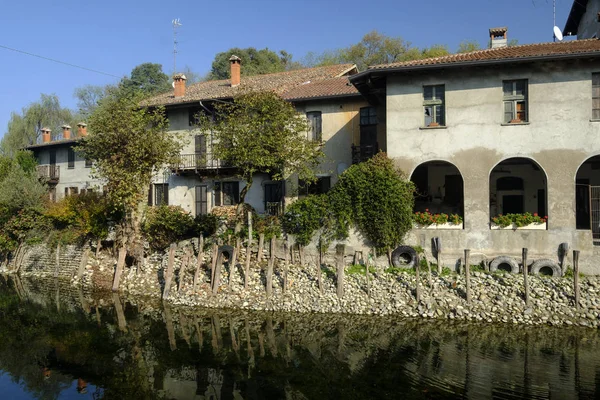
{"type": "Point", "coordinates": [447, 226]}
{"type": "Point", "coordinates": [537, 226]}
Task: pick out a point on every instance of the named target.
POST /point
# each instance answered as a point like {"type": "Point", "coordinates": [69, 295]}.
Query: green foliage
{"type": "Point", "coordinates": [127, 144]}
{"type": "Point", "coordinates": [304, 217]}
{"type": "Point", "coordinates": [88, 97]}
{"type": "Point", "coordinates": [206, 225]}
{"type": "Point", "coordinates": [261, 132]}
{"type": "Point", "coordinates": [467, 46]}
{"type": "Point", "coordinates": [20, 187]}
{"type": "Point", "coordinates": [269, 225]}
{"type": "Point", "coordinates": [24, 226]}
{"type": "Point", "coordinates": [380, 201]}
{"type": "Point", "coordinates": [167, 224]}
{"type": "Point", "coordinates": [147, 79]}
{"type": "Point", "coordinates": [254, 62]}
{"type": "Point", "coordinates": [426, 218]}
{"type": "Point", "coordinates": [518, 219]}
{"type": "Point", "coordinates": [359, 269]}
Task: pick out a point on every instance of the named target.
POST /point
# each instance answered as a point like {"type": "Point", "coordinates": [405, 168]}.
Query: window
{"type": "Point", "coordinates": [433, 105]}
{"type": "Point", "coordinates": [71, 159]}
{"type": "Point", "coordinates": [315, 123]}
{"type": "Point", "coordinates": [161, 194]}
{"type": "Point", "coordinates": [596, 95]}
{"type": "Point", "coordinates": [515, 101]}
{"type": "Point", "coordinates": [274, 197]}
{"type": "Point", "coordinates": [201, 200]}
{"type": "Point", "coordinates": [227, 193]}
{"type": "Point", "coordinates": [368, 116]}
{"type": "Point", "coordinates": [321, 186]}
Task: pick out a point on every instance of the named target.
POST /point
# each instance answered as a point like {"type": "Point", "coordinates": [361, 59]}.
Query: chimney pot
{"type": "Point", "coordinates": [498, 37]}
{"type": "Point", "coordinates": [81, 129]}
{"type": "Point", "coordinates": [179, 84]}
{"type": "Point", "coordinates": [66, 132]}
{"type": "Point", "coordinates": [46, 135]}
{"type": "Point", "coordinates": [235, 62]}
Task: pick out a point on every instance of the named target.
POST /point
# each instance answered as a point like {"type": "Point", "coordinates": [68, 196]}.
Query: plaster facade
{"type": "Point", "coordinates": [559, 137]}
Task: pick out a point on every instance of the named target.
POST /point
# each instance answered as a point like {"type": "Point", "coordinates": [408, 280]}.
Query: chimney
{"type": "Point", "coordinates": [498, 37]}
{"type": "Point", "coordinates": [81, 129]}
{"type": "Point", "coordinates": [66, 132]}
{"type": "Point", "coordinates": [235, 62]}
{"type": "Point", "coordinates": [179, 84]}
{"type": "Point", "coordinates": [46, 135]}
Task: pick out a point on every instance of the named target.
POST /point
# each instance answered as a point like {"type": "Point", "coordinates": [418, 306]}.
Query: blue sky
{"type": "Point", "coordinates": [115, 36]}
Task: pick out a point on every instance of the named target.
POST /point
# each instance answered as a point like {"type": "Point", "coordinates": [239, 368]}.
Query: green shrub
{"type": "Point", "coordinates": [206, 225]}
{"type": "Point", "coordinates": [167, 224]}
{"type": "Point", "coordinates": [269, 225]}
{"type": "Point", "coordinates": [359, 269]}
{"type": "Point", "coordinates": [518, 219]}
{"type": "Point", "coordinates": [304, 217]}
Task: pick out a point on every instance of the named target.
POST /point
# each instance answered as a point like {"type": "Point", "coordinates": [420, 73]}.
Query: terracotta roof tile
{"type": "Point", "coordinates": [279, 82]}
{"type": "Point", "coordinates": [548, 50]}
{"type": "Point", "coordinates": [327, 88]}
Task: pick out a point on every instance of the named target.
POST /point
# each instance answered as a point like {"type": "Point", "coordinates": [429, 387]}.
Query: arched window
{"type": "Point", "coordinates": [439, 187]}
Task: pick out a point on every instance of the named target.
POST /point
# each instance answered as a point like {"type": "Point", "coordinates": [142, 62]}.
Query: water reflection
{"type": "Point", "coordinates": [146, 349]}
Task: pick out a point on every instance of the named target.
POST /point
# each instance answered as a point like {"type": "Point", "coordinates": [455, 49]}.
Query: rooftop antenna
{"type": "Point", "coordinates": [176, 24]}
{"type": "Point", "coordinates": [557, 32]}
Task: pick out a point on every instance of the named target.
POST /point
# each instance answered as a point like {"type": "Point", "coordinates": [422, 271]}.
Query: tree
{"type": "Point", "coordinates": [127, 144]}
{"type": "Point", "coordinates": [25, 128]}
{"type": "Point", "coordinates": [261, 132]}
{"type": "Point", "coordinates": [148, 79]}
{"type": "Point", "coordinates": [88, 97]}
{"type": "Point", "coordinates": [467, 46]}
{"type": "Point", "coordinates": [254, 62]}
{"type": "Point", "coordinates": [192, 76]}
{"type": "Point", "coordinates": [20, 188]}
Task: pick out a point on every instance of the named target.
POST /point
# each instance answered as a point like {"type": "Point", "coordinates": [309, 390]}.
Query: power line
{"type": "Point", "coordinates": [58, 61]}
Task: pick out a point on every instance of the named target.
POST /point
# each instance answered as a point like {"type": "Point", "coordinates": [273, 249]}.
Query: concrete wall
{"type": "Point", "coordinates": [589, 26]}
{"type": "Point", "coordinates": [559, 137]}
{"type": "Point", "coordinates": [79, 176]}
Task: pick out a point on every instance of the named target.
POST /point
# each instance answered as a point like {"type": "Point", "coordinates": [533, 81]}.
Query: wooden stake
{"type": "Point", "coordinates": [525, 276]}
{"type": "Point", "coordinates": [286, 246]}
{"type": "Point", "coordinates": [83, 263]}
{"type": "Point", "coordinates": [367, 264]}
{"type": "Point", "coordinates": [576, 276]}
{"type": "Point", "coordinates": [169, 276]}
{"type": "Point", "coordinates": [233, 261]}
{"type": "Point", "coordinates": [270, 267]}
{"type": "Point", "coordinates": [217, 281]}
{"type": "Point", "coordinates": [121, 321]}
{"type": "Point", "coordinates": [98, 247]}
{"type": "Point", "coordinates": [468, 275]}
{"type": "Point", "coordinates": [213, 263]}
{"type": "Point", "coordinates": [340, 249]}
{"type": "Point", "coordinates": [119, 270]}
{"type": "Point", "coordinates": [186, 259]}
{"type": "Point", "coordinates": [261, 244]}
{"type": "Point", "coordinates": [417, 288]}
{"type": "Point", "coordinates": [301, 254]}
{"type": "Point", "coordinates": [438, 257]}
{"type": "Point", "coordinates": [248, 252]}
{"type": "Point", "coordinates": [57, 265]}
{"type": "Point", "coordinates": [199, 261]}
{"type": "Point", "coordinates": [319, 274]}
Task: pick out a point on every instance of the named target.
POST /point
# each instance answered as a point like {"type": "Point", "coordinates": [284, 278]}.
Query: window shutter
{"type": "Point", "coordinates": [217, 192]}
{"type": "Point", "coordinates": [318, 127]}
{"type": "Point", "coordinates": [325, 184]}
{"type": "Point", "coordinates": [150, 195]}
{"type": "Point", "coordinates": [71, 158]}
{"type": "Point", "coordinates": [236, 192]}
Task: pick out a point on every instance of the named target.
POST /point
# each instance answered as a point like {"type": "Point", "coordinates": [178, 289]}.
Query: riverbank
{"type": "Point", "coordinates": [496, 297]}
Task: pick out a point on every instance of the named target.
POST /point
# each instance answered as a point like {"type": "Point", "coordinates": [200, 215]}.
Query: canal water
{"type": "Point", "coordinates": [59, 342]}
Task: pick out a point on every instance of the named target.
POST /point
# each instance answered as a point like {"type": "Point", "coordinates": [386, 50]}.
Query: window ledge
{"type": "Point", "coordinates": [433, 127]}
{"type": "Point", "coordinates": [594, 120]}
{"type": "Point", "coordinates": [516, 124]}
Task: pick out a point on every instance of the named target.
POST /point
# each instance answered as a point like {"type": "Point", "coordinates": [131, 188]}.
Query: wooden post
{"type": "Point", "coordinates": [468, 275]}
{"type": "Point", "coordinates": [213, 263]}
{"type": "Point", "coordinates": [270, 267]}
{"type": "Point", "coordinates": [525, 276]}
{"type": "Point", "coordinates": [429, 274]}
{"type": "Point", "coordinates": [576, 276]}
{"type": "Point", "coordinates": [186, 259]}
{"type": "Point", "coordinates": [340, 249]}
{"type": "Point", "coordinates": [83, 263]}
{"type": "Point", "coordinates": [169, 325]}
{"type": "Point", "coordinates": [418, 278]}
{"type": "Point", "coordinates": [98, 247]}
{"type": "Point", "coordinates": [248, 252]}
{"type": "Point", "coordinates": [261, 244]}
{"type": "Point", "coordinates": [292, 255]}
{"type": "Point", "coordinates": [301, 254]}
{"type": "Point", "coordinates": [319, 274]}
{"type": "Point", "coordinates": [286, 246]}
{"type": "Point", "coordinates": [57, 265]}
{"type": "Point", "coordinates": [121, 321]}
{"type": "Point", "coordinates": [367, 264]}
{"type": "Point", "coordinates": [217, 281]}
{"type": "Point", "coordinates": [169, 276]}
{"type": "Point", "coordinates": [119, 270]}
{"type": "Point", "coordinates": [233, 260]}
{"type": "Point", "coordinates": [199, 261]}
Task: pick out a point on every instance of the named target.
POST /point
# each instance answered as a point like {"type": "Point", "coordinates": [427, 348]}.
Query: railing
{"type": "Point", "coordinates": [197, 161]}
{"type": "Point", "coordinates": [274, 208]}
{"type": "Point", "coordinates": [50, 172]}
{"type": "Point", "coordinates": [362, 153]}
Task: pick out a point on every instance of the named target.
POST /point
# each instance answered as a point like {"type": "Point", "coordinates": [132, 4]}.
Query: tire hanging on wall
{"type": "Point", "coordinates": [405, 257]}
{"type": "Point", "coordinates": [545, 263]}
{"type": "Point", "coordinates": [496, 262]}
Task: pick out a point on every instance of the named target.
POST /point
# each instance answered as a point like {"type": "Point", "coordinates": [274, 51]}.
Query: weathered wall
{"type": "Point", "coordinates": [42, 259]}
{"type": "Point", "coordinates": [559, 136]}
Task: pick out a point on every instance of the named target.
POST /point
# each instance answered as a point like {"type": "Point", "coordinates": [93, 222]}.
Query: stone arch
{"type": "Point", "coordinates": [587, 176]}
{"type": "Point", "coordinates": [439, 188]}
{"type": "Point", "coordinates": [518, 185]}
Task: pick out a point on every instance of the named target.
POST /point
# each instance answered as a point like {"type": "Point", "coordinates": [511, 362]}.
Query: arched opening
{"type": "Point", "coordinates": [439, 188]}
{"type": "Point", "coordinates": [587, 197]}
{"type": "Point", "coordinates": [517, 186]}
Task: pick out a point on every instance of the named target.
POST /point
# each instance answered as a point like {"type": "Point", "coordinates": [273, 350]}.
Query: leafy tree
{"type": "Point", "coordinates": [20, 187]}
{"type": "Point", "coordinates": [304, 217]}
{"type": "Point", "coordinates": [148, 79]}
{"type": "Point", "coordinates": [261, 132]}
{"type": "Point", "coordinates": [25, 128]}
{"type": "Point", "coordinates": [467, 46]}
{"type": "Point", "coordinates": [437, 50]}
{"type": "Point", "coordinates": [192, 76]}
{"type": "Point", "coordinates": [254, 62]}
{"type": "Point", "coordinates": [128, 144]}
{"type": "Point", "coordinates": [88, 97]}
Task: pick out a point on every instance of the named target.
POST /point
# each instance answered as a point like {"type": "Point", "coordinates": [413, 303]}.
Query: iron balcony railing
{"type": "Point", "coordinates": [362, 153]}
{"type": "Point", "coordinates": [50, 172]}
{"type": "Point", "coordinates": [274, 208]}
{"type": "Point", "coordinates": [197, 161]}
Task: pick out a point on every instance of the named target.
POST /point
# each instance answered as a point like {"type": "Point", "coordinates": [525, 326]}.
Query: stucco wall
{"type": "Point", "coordinates": [559, 137]}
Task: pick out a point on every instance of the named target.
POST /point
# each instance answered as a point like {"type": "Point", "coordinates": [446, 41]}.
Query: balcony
{"type": "Point", "coordinates": [196, 162]}
{"type": "Point", "coordinates": [362, 153]}
{"type": "Point", "coordinates": [50, 172]}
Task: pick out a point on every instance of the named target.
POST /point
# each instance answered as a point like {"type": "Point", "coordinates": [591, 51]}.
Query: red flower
{"type": "Point", "coordinates": [535, 214]}
{"type": "Point", "coordinates": [427, 210]}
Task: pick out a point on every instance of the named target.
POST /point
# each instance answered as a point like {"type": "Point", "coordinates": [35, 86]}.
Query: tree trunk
{"type": "Point", "coordinates": [248, 252]}
{"type": "Point", "coordinates": [261, 244]}
{"type": "Point", "coordinates": [240, 207]}
{"type": "Point", "coordinates": [199, 261]}
{"type": "Point", "coordinates": [270, 268]}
